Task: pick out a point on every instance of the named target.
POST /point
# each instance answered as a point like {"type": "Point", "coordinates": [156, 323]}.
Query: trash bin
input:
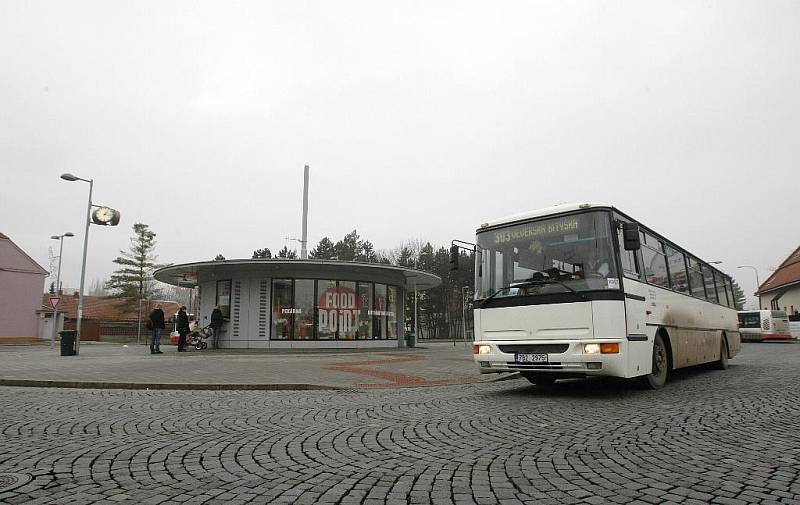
{"type": "Point", "coordinates": [68, 342]}
{"type": "Point", "coordinates": [411, 339]}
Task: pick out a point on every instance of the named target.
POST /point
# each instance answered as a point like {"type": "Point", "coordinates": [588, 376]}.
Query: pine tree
{"type": "Point", "coordinates": [738, 295]}
{"type": "Point", "coordinates": [287, 253]}
{"type": "Point", "coordinates": [134, 280]}
{"type": "Point", "coordinates": [264, 253]}
{"type": "Point", "coordinates": [366, 252]}
{"type": "Point", "coordinates": [325, 250]}
{"type": "Point", "coordinates": [349, 247]}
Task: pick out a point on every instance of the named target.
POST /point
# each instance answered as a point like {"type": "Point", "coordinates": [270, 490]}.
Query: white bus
{"type": "Point", "coordinates": [759, 325]}
{"type": "Point", "coordinates": [582, 289]}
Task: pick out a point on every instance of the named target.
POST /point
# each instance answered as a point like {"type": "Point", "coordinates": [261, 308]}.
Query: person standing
{"type": "Point", "coordinates": [183, 328]}
{"type": "Point", "coordinates": [156, 325]}
{"type": "Point", "coordinates": [216, 325]}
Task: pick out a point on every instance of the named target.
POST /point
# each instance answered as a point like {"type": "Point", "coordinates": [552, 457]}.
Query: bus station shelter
{"type": "Point", "coordinates": [295, 304]}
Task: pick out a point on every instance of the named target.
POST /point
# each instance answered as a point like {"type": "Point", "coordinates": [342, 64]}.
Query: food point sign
{"type": "Point", "coordinates": [338, 309]}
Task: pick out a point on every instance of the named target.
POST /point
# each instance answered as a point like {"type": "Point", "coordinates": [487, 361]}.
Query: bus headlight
{"type": "Point", "coordinates": [481, 349]}
{"type": "Point", "coordinates": [591, 348]}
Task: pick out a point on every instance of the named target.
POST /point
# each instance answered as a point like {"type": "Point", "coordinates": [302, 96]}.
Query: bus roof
{"type": "Point", "coordinates": [555, 209]}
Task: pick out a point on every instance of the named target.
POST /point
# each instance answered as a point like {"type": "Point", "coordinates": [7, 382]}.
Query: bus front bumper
{"type": "Point", "coordinates": [563, 357]}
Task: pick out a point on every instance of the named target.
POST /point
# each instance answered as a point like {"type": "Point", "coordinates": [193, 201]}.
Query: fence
{"type": "Point", "coordinates": [105, 331]}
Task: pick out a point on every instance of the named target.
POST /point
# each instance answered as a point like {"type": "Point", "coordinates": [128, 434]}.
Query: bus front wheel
{"type": "Point", "coordinates": [539, 379]}
{"type": "Point", "coordinates": [658, 377]}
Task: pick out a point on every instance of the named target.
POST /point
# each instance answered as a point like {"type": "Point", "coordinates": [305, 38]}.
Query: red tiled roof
{"type": "Point", "coordinates": [106, 309]}
{"type": "Point", "coordinates": [787, 273]}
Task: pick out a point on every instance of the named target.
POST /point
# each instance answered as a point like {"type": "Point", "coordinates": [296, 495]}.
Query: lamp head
{"type": "Point", "coordinates": [69, 177]}
{"type": "Point", "coordinates": [69, 234]}
{"type": "Point", "coordinates": [55, 237]}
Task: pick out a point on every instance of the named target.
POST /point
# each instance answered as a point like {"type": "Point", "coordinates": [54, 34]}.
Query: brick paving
{"type": "Point", "coordinates": [726, 437]}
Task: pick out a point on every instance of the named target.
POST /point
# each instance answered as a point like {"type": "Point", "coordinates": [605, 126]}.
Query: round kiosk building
{"type": "Point", "coordinates": [282, 303]}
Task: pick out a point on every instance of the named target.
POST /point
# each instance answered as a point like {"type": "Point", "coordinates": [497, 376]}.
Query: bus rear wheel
{"type": "Point", "coordinates": [658, 377]}
{"type": "Point", "coordinates": [722, 364]}
{"type": "Point", "coordinates": [539, 379]}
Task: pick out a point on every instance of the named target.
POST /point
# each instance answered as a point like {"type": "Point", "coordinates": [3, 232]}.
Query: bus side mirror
{"type": "Point", "coordinates": [453, 257]}
{"type": "Point", "coordinates": [630, 234]}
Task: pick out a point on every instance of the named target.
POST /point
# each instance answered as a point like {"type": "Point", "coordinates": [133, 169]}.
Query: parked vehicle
{"type": "Point", "coordinates": [760, 325]}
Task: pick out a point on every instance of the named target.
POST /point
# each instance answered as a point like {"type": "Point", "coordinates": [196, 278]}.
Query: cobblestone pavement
{"type": "Point", "coordinates": [433, 363]}
{"type": "Point", "coordinates": [727, 437]}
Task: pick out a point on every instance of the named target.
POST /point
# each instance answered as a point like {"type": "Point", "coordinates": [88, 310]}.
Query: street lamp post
{"type": "Point", "coordinates": [58, 284]}
{"type": "Point", "coordinates": [758, 283]}
{"type": "Point", "coordinates": [464, 294]}
{"type": "Point", "coordinates": [71, 178]}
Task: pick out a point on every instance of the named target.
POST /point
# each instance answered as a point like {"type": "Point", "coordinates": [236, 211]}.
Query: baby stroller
{"type": "Point", "coordinates": [198, 338]}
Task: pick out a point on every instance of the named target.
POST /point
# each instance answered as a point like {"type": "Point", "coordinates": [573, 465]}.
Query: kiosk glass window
{"type": "Point", "coordinates": [281, 309]}
{"type": "Point", "coordinates": [224, 298]}
{"type": "Point", "coordinates": [392, 308]}
{"type": "Point", "coordinates": [379, 312]}
{"type": "Point", "coordinates": [347, 305]}
{"type": "Point", "coordinates": [327, 317]}
{"type": "Point", "coordinates": [303, 309]}
{"type": "Point", "coordinates": [364, 323]}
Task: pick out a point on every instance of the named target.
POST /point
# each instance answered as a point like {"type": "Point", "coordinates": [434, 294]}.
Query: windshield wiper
{"type": "Point", "coordinates": [553, 281]}
{"type": "Point", "coordinates": [506, 288]}
{"type": "Point", "coordinates": [524, 284]}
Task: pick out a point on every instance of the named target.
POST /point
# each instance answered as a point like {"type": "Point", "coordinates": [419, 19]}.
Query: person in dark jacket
{"type": "Point", "coordinates": [183, 328]}
{"type": "Point", "coordinates": [156, 325]}
{"type": "Point", "coordinates": [216, 324]}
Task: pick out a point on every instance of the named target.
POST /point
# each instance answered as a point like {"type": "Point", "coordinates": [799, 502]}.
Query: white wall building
{"type": "Point", "coordinates": [782, 290]}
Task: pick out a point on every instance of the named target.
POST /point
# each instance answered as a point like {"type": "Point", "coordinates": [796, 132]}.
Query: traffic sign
{"type": "Point", "coordinates": [54, 301]}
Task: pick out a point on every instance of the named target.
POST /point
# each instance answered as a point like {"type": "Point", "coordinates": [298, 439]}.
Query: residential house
{"type": "Point", "coordinates": [21, 286]}
{"type": "Point", "coordinates": [782, 290]}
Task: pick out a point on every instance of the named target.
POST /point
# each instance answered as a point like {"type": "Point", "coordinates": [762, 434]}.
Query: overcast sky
{"type": "Point", "coordinates": [418, 119]}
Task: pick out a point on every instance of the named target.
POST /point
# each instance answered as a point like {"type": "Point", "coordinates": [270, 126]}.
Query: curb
{"type": "Point", "coordinates": [166, 386]}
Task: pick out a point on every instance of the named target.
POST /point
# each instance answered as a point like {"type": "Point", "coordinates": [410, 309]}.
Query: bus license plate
{"type": "Point", "coordinates": [530, 358]}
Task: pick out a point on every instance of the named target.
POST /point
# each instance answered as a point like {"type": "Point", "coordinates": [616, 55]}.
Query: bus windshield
{"type": "Point", "coordinates": [553, 255]}
{"type": "Point", "coordinates": [749, 320]}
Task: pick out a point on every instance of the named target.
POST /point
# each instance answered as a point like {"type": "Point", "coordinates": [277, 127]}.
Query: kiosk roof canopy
{"type": "Point", "coordinates": [187, 274]}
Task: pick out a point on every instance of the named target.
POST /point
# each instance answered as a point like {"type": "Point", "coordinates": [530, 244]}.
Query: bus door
{"type": "Point", "coordinates": [640, 348]}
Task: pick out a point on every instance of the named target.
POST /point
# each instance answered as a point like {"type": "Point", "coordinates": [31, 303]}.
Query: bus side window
{"type": "Point", "coordinates": [722, 294]}
{"type": "Point", "coordinates": [655, 262]}
{"type": "Point", "coordinates": [696, 278]}
{"type": "Point", "coordinates": [679, 278]}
